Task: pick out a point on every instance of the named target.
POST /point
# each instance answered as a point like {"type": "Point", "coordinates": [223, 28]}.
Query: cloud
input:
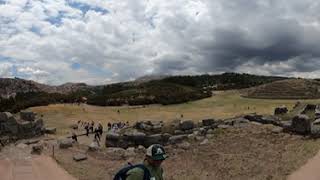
{"type": "Point", "coordinates": [99, 42]}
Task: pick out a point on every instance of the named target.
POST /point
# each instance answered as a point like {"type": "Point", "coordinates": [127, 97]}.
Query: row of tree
{"type": "Point", "coordinates": [171, 90]}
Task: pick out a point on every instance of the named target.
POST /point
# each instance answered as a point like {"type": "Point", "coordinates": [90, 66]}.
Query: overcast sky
{"type": "Point", "coordinates": [105, 41]}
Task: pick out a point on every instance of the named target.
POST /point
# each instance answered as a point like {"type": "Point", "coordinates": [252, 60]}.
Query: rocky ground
{"type": "Point", "coordinates": [248, 147]}
{"type": "Point", "coordinates": [252, 151]}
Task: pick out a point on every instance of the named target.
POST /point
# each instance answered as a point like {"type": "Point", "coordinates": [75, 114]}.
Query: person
{"type": "Point", "coordinates": [97, 134]}
{"type": "Point", "coordinates": [74, 137]}
{"type": "Point", "coordinates": [151, 166]}
{"type": "Point", "coordinates": [109, 126]}
{"type": "Point", "coordinates": [92, 126]}
{"type": "Point", "coordinates": [100, 128]}
{"type": "Point", "coordinates": [87, 129]}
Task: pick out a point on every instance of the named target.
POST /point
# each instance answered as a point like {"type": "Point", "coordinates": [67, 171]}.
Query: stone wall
{"type": "Point", "coordinates": [27, 127]}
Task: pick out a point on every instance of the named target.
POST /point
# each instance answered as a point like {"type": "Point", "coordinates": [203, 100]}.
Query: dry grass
{"type": "Point", "coordinates": [224, 104]}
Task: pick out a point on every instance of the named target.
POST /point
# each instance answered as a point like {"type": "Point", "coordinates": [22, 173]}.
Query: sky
{"type": "Point", "coordinates": [107, 41]}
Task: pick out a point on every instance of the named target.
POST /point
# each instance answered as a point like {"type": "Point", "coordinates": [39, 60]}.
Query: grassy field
{"type": "Point", "coordinates": [224, 104]}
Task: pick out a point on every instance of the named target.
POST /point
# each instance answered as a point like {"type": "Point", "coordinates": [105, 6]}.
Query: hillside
{"type": "Point", "coordinates": [225, 81]}
{"type": "Point", "coordinates": [286, 89]}
{"type": "Point", "coordinates": [17, 94]}
{"type": "Point", "coordinates": [11, 87]}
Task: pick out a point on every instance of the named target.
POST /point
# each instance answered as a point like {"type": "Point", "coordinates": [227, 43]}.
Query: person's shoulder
{"type": "Point", "coordinates": [136, 170]}
{"type": "Point", "coordinates": [135, 173]}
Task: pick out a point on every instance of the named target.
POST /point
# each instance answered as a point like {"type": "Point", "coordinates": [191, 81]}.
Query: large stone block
{"type": "Point", "coordinates": [65, 143]}
{"type": "Point", "coordinates": [177, 139]}
{"type": "Point", "coordinates": [280, 110]}
{"type": "Point", "coordinates": [80, 157]}
{"type": "Point", "coordinates": [5, 116]}
{"type": "Point", "coordinates": [301, 124]}
{"type": "Point", "coordinates": [208, 122]}
{"type": "Point", "coordinates": [186, 125]}
{"type": "Point", "coordinates": [27, 115]}
{"type": "Point", "coordinates": [50, 130]}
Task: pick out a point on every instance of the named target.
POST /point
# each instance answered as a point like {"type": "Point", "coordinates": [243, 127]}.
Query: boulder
{"type": "Point", "coordinates": [191, 136]}
{"type": "Point", "coordinates": [5, 116]}
{"type": "Point", "coordinates": [166, 137]}
{"type": "Point", "coordinates": [301, 124]}
{"type": "Point", "coordinates": [80, 157]}
{"type": "Point", "coordinates": [27, 115]}
{"type": "Point", "coordinates": [65, 143]}
{"type": "Point", "coordinates": [156, 128]}
{"type": "Point", "coordinates": [21, 146]}
{"type": "Point", "coordinates": [202, 131]}
{"type": "Point", "coordinates": [93, 146]}
{"type": "Point", "coordinates": [177, 139]}
{"type": "Point", "coordinates": [210, 131]}
{"type": "Point", "coordinates": [37, 149]}
{"type": "Point", "coordinates": [50, 130]}
{"type": "Point", "coordinates": [316, 122]}
{"type": "Point", "coordinates": [280, 110]}
{"type": "Point", "coordinates": [277, 130]}
{"type": "Point", "coordinates": [186, 125]}
{"type": "Point", "coordinates": [31, 141]}
{"type": "Point", "coordinates": [178, 132]}
{"type": "Point", "coordinates": [208, 122]}
{"type": "Point", "coordinates": [222, 126]}
{"type": "Point", "coordinates": [204, 142]}
{"type": "Point", "coordinates": [113, 136]}
{"type": "Point", "coordinates": [315, 131]}
{"type": "Point", "coordinates": [237, 122]}
{"type": "Point", "coordinates": [263, 119]}
{"type": "Point", "coordinates": [210, 136]}
{"type": "Point", "coordinates": [199, 138]}
{"type": "Point", "coordinates": [153, 139]}
{"type": "Point", "coordinates": [134, 135]}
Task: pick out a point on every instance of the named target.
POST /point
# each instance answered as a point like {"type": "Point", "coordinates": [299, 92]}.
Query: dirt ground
{"type": "Point", "coordinates": [17, 164]}
{"type": "Point", "coordinates": [250, 152]}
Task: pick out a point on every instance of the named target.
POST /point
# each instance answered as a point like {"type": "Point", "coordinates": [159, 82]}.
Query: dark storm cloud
{"type": "Point", "coordinates": [257, 34]}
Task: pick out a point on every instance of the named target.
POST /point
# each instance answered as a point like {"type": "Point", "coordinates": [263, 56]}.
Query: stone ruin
{"type": "Point", "coordinates": [25, 126]}
{"type": "Point", "coordinates": [280, 110]}
{"type": "Point", "coordinates": [146, 133]}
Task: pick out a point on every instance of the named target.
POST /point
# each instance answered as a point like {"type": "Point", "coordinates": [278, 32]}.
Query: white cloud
{"type": "Point", "coordinates": [135, 38]}
{"type": "Point", "coordinates": [5, 69]}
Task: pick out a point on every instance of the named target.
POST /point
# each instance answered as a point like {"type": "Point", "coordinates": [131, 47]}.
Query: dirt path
{"type": "Point", "coordinates": [32, 168]}
{"type": "Point", "coordinates": [309, 171]}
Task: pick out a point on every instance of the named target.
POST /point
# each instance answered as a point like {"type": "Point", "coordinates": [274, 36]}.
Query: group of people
{"type": "Point", "coordinates": [97, 129]}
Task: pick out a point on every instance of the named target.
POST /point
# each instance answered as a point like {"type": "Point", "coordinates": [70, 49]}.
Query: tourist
{"type": "Point", "coordinates": [151, 167]}
{"type": "Point", "coordinates": [74, 137]}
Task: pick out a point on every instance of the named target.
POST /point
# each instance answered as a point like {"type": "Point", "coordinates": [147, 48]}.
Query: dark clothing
{"type": "Point", "coordinates": [74, 137]}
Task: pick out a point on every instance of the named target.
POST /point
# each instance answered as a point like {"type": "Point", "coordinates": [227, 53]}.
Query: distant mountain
{"type": "Point", "coordinates": [9, 87]}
